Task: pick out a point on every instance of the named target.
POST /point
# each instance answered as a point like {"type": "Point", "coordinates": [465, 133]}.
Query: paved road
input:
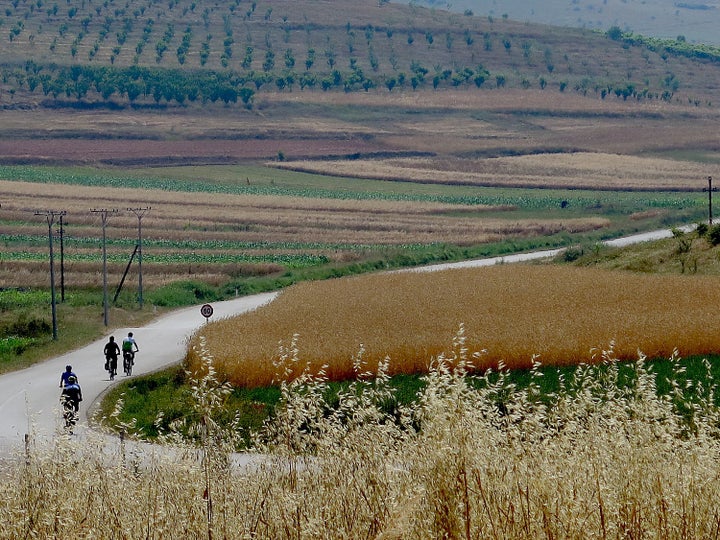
{"type": "Point", "coordinates": [521, 257]}
{"type": "Point", "coordinates": [29, 399]}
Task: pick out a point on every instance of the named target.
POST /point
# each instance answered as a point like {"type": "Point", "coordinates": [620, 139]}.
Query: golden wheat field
{"type": "Point", "coordinates": [579, 170]}
{"type": "Point", "coordinates": [512, 312]}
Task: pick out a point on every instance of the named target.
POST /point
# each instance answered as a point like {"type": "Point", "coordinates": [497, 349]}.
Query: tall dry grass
{"type": "Point", "coordinates": [597, 460]}
{"type": "Point", "coordinates": [515, 312]}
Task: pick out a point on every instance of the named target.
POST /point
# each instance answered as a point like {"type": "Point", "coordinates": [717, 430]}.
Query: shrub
{"type": "Point", "coordinates": [183, 293]}
{"type": "Point", "coordinates": [27, 328]}
{"type": "Point", "coordinates": [572, 254]}
{"type": "Point", "coordinates": [713, 235]}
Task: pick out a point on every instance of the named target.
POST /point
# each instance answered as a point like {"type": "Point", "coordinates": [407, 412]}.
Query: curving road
{"type": "Point", "coordinates": [30, 397]}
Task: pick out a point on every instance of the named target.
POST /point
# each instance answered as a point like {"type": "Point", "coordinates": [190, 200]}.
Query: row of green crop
{"type": "Point", "coordinates": [287, 260]}
{"type": "Point", "coordinates": [521, 198]}
{"type": "Point", "coordinates": [160, 243]}
{"type": "Point", "coordinates": [17, 298]}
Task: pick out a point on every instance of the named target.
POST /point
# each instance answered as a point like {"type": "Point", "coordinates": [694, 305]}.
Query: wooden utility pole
{"type": "Point", "coordinates": [50, 216]}
{"type": "Point", "coordinates": [139, 213]}
{"type": "Point", "coordinates": [709, 190]}
{"type": "Point", "coordinates": [61, 232]}
{"type": "Point", "coordinates": [104, 213]}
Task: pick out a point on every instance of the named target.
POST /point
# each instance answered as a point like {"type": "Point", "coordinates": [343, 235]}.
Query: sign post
{"type": "Point", "coordinates": [206, 311]}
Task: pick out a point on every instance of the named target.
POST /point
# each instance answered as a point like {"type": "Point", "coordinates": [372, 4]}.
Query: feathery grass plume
{"type": "Point", "coordinates": [349, 450]}
{"type": "Point", "coordinates": [615, 452]}
{"type": "Point", "coordinates": [215, 442]}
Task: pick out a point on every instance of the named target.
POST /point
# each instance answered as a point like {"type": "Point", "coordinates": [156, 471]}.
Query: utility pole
{"type": "Point", "coordinates": [139, 213]}
{"type": "Point", "coordinates": [104, 213]}
{"type": "Point", "coordinates": [50, 216]}
{"type": "Point", "coordinates": [709, 190]}
{"type": "Point", "coordinates": [61, 232]}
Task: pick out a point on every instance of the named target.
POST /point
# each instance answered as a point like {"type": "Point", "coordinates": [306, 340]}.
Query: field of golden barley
{"type": "Point", "coordinates": [578, 170]}
{"type": "Point", "coordinates": [515, 313]}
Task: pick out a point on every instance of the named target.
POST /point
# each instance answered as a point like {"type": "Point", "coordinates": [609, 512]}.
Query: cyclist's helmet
{"type": "Point", "coordinates": [72, 379]}
{"type": "Point", "coordinates": [68, 368]}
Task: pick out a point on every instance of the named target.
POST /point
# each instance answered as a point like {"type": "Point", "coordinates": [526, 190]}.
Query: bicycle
{"type": "Point", "coordinates": [128, 362]}
{"type": "Point", "coordinates": [70, 399]}
{"type": "Point", "coordinates": [70, 414]}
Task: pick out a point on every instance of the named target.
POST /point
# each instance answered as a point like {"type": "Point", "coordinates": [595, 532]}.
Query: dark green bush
{"type": "Point", "coordinates": [27, 328]}
{"type": "Point", "coordinates": [183, 293]}
{"type": "Point", "coordinates": [713, 235]}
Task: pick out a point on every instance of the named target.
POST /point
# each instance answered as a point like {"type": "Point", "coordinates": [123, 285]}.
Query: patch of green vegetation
{"type": "Point", "coordinates": [160, 402]}
{"type": "Point", "coordinates": [154, 404]}
{"type": "Point", "coordinates": [19, 298]}
{"type": "Point", "coordinates": [296, 184]}
{"type": "Point", "coordinates": [684, 253]}
{"type": "Point", "coordinates": [182, 293]}
{"type": "Point", "coordinates": [13, 345]}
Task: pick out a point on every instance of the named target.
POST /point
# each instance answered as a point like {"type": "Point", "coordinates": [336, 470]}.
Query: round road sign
{"type": "Point", "coordinates": [206, 311]}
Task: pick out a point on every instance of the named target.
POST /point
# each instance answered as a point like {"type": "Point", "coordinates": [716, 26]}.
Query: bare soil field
{"type": "Point", "coordinates": [153, 152]}
{"type": "Point", "coordinates": [313, 124]}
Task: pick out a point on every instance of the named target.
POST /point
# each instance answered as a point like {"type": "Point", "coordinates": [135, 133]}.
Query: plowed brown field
{"type": "Point", "coordinates": [115, 151]}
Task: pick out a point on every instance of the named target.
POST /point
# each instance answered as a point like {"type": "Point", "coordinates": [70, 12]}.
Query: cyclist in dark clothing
{"type": "Point", "coordinates": [65, 374]}
{"type": "Point", "coordinates": [70, 398]}
{"type": "Point", "coordinates": [112, 351]}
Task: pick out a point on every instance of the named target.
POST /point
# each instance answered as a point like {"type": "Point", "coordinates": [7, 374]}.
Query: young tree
{"type": "Point", "coordinates": [310, 59]}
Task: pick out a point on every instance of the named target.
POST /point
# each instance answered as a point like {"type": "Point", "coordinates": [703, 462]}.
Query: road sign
{"type": "Point", "coordinates": [206, 311]}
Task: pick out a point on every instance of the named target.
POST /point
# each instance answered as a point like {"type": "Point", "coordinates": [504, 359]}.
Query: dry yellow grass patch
{"type": "Point", "coordinates": [584, 170]}
{"type": "Point", "coordinates": [514, 312]}
{"type": "Point", "coordinates": [501, 100]}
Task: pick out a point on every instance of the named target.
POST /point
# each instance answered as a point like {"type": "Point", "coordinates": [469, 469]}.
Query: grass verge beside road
{"type": "Point", "coordinates": [161, 403]}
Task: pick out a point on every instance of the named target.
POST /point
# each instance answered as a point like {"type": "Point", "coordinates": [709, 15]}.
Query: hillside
{"type": "Point", "coordinates": [189, 51]}
{"type": "Point", "coordinates": [697, 21]}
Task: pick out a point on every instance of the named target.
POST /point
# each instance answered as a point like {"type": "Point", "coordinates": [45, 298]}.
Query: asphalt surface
{"type": "Point", "coordinates": [30, 402]}
{"type": "Point", "coordinates": [30, 397]}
